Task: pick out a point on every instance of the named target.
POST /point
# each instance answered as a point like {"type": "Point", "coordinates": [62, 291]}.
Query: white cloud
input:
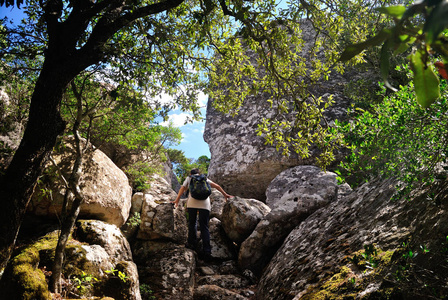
{"type": "Point", "coordinates": [178, 120]}
{"type": "Point", "coordinates": [202, 99]}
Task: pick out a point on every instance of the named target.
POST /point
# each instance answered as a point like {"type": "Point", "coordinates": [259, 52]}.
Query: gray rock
{"type": "Point", "coordinates": [108, 236]}
{"type": "Point", "coordinates": [240, 217]}
{"type": "Point", "coordinates": [225, 281]}
{"type": "Point", "coordinates": [137, 202]}
{"type": "Point", "coordinates": [302, 187]}
{"type": "Point", "coordinates": [293, 195]}
{"type": "Point", "coordinates": [159, 219]}
{"type": "Point", "coordinates": [217, 202]}
{"type": "Point", "coordinates": [167, 268]}
{"type": "Point", "coordinates": [321, 244]}
{"type": "Point", "coordinates": [127, 289]}
{"type": "Point", "coordinates": [106, 190]}
{"type": "Point", "coordinates": [222, 247]}
{"type": "Point", "coordinates": [214, 292]}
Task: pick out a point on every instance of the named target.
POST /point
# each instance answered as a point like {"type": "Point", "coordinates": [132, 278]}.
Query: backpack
{"type": "Point", "coordinates": [199, 188]}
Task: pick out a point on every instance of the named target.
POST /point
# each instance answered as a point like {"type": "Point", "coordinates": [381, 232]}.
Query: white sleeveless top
{"type": "Point", "coordinates": [194, 203]}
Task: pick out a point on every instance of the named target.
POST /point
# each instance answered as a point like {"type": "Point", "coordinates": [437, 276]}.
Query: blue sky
{"type": "Point", "coordinates": [192, 143]}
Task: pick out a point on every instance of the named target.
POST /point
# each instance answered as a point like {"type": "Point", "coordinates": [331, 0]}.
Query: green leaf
{"type": "Point", "coordinates": [353, 50]}
{"type": "Point", "coordinates": [436, 22]}
{"type": "Point", "coordinates": [426, 82]}
{"type": "Point", "coordinates": [393, 11]}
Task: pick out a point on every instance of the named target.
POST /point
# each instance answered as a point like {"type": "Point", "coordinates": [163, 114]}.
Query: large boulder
{"type": "Point", "coordinates": [303, 187]}
{"type": "Point", "coordinates": [293, 195]}
{"type": "Point", "coordinates": [217, 202]}
{"type": "Point", "coordinates": [364, 246]}
{"type": "Point", "coordinates": [159, 219]}
{"type": "Point", "coordinates": [167, 268]}
{"type": "Point", "coordinates": [162, 221]}
{"type": "Point", "coordinates": [213, 292]}
{"type": "Point", "coordinates": [10, 130]}
{"type": "Point", "coordinates": [108, 236]}
{"type": "Point", "coordinates": [106, 190]}
{"type": "Point", "coordinates": [241, 161]}
{"type": "Point", "coordinates": [240, 217]}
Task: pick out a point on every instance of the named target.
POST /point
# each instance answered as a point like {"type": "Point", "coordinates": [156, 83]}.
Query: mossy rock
{"type": "Point", "coordinates": [22, 279]}
{"type": "Point", "coordinates": [352, 280]}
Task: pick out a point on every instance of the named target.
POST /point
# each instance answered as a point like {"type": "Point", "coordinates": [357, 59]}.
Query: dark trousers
{"type": "Point", "coordinates": [204, 217]}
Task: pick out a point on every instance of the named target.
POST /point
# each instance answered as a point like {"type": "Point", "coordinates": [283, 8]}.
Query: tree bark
{"type": "Point", "coordinates": [17, 184]}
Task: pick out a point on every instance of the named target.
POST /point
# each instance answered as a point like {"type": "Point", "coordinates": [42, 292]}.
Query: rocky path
{"type": "Point", "coordinates": [217, 279]}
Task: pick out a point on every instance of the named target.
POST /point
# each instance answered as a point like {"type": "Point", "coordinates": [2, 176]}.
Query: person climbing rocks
{"type": "Point", "coordinates": [202, 208]}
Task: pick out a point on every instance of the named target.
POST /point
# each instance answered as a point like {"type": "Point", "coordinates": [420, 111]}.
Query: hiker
{"type": "Point", "coordinates": [195, 206]}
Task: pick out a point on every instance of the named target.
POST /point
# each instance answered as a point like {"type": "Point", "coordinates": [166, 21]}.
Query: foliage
{"type": "Point", "coordinates": [420, 26]}
{"type": "Point", "coordinates": [146, 292]}
{"type": "Point", "coordinates": [122, 275]}
{"type": "Point", "coordinates": [139, 175]}
{"type": "Point", "coordinates": [118, 116]}
{"type": "Point", "coordinates": [398, 138]}
{"type": "Point", "coordinates": [183, 165]}
{"type": "Point", "coordinates": [83, 282]}
{"type": "Point", "coordinates": [135, 220]}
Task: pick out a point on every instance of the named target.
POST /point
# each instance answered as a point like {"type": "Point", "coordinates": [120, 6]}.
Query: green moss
{"type": "Point", "coordinates": [350, 280]}
{"type": "Point", "coordinates": [26, 280]}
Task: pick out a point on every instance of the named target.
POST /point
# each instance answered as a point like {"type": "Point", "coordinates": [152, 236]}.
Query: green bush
{"type": "Point", "coordinates": [397, 138]}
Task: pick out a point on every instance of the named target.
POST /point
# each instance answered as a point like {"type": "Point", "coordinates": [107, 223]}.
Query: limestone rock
{"type": "Point", "coordinates": [258, 249]}
{"type": "Point", "coordinates": [137, 202]}
{"type": "Point", "coordinates": [169, 176]}
{"type": "Point", "coordinates": [102, 249]}
{"type": "Point", "coordinates": [240, 217]}
{"type": "Point", "coordinates": [160, 190]}
{"type": "Point", "coordinates": [120, 289]}
{"type": "Point", "coordinates": [159, 219]}
{"type": "Point", "coordinates": [225, 281]}
{"type": "Point", "coordinates": [106, 190]}
{"type": "Point", "coordinates": [214, 292]}
{"type": "Point", "coordinates": [303, 187]}
{"type": "Point", "coordinates": [293, 195]}
{"type": "Point", "coordinates": [217, 202]}
{"type": "Point", "coordinates": [10, 138]}
{"type": "Point", "coordinates": [240, 160]}
{"type": "Point", "coordinates": [108, 236]}
{"type": "Point", "coordinates": [321, 245]}
{"type": "Point", "coordinates": [167, 268]}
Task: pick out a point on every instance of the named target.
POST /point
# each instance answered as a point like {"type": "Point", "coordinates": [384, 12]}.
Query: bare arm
{"type": "Point", "coordinates": [219, 188]}
{"type": "Point", "coordinates": [181, 191]}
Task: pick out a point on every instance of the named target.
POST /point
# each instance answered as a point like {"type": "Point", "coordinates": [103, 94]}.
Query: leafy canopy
{"type": "Point", "coordinates": [229, 49]}
{"type": "Point", "coordinates": [422, 28]}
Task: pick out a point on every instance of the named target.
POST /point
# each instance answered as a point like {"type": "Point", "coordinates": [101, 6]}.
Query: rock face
{"type": "Point", "coordinates": [240, 160]}
{"type": "Point", "coordinates": [167, 268]}
{"type": "Point", "coordinates": [303, 187]}
{"type": "Point", "coordinates": [161, 221]}
{"type": "Point", "coordinates": [106, 190]}
{"type": "Point", "coordinates": [293, 195]}
{"type": "Point", "coordinates": [337, 245]}
{"type": "Point", "coordinates": [240, 216]}
{"type": "Point", "coordinates": [108, 236]}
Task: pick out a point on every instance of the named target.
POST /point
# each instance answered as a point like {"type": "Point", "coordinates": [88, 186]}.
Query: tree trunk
{"type": "Point", "coordinates": [43, 127]}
